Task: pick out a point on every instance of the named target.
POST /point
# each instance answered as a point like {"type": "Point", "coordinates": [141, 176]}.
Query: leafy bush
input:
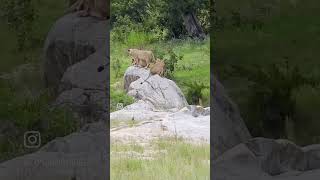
{"type": "Point", "coordinates": [133, 34]}
{"type": "Point", "coordinates": [117, 96]}
{"type": "Point", "coordinates": [116, 66]}
{"type": "Point", "coordinates": [195, 92]}
{"type": "Point", "coordinates": [170, 63]}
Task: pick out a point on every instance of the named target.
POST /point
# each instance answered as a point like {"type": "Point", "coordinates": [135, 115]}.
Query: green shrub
{"type": "Point", "coordinates": [195, 92]}
{"type": "Point", "coordinates": [133, 34]}
{"type": "Point", "coordinates": [119, 96]}
{"type": "Point", "coordinates": [122, 27]}
{"type": "Point", "coordinates": [170, 63]}
{"type": "Point", "coordinates": [116, 66]}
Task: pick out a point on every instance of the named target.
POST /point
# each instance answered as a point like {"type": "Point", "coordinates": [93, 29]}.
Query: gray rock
{"type": "Point", "coordinates": [82, 155]}
{"type": "Point", "coordinates": [140, 105]}
{"type": "Point", "coordinates": [312, 153]}
{"type": "Point", "coordinates": [132, 74]}
{"type": "Point", "coordinates": [138, 115]}
{"type": "Point", "coordinates": [227, 126]}
{"type": "Point", "coordinates": [75, 96]}
{"type": "Point", "coordinates": [238, 163]}
{"type": "Point", "coordinates": [196, 111]}
{"type": "Point", "coordinates": [84, 74]}
{"type": "Point", "coordinates": [153, 124]}
{"type": "Point", "coordinates": [84, 89]}
{"type": "Point", "coordinates": [68, 43]}
{"type": "Point", "coordinates": [308, 175]}
{"type": "Point", "coordinates": [83, 84]}
{"type": "Point", "coordinates": [278, 156]}
{"type": "Point", "coordinates": [267, 159]}
{"type": "Point", "coordinates": [161, 92]}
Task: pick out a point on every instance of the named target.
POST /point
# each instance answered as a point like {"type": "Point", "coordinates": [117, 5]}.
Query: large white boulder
{"type": "Point", "coordinates": [160, 92]}
{"type": "Point", "coordinates": [154, 124]}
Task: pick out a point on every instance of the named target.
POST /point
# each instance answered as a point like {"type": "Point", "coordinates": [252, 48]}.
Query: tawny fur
{"type": "Point", "coordinates": [143, 58]}
{"type": "Point", "coordinates": [157, 67]}
{"type": "Point", "coordinates": [94, 8]}
{"type": "Point", "coordinates": [135, 61]}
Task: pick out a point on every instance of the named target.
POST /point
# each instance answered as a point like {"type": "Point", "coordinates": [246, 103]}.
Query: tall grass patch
{"type": "Point", "coordinates": [173, 159]}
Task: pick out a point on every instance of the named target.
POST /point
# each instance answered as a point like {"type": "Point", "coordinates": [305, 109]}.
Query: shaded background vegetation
{"type": "Point", "coordinates": [24, 103]}
{"type": "Point", "coordinates": [161, 18]}
{"type": "Point", "coordinates": [266, 54]}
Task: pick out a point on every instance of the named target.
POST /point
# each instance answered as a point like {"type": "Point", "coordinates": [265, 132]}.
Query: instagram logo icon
{"type": "Point", "coordinates": [32, 139]}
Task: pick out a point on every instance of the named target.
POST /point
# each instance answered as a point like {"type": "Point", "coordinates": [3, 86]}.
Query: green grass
{"type": "Point", "coordinates": [172, 159]}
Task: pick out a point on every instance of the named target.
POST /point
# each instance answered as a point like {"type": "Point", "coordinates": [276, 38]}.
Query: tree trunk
{"type": "Point", "coordinates": [200, 102]}
{"type": "Point", "coordinates": [192, 25]}
{"type": "Point", "coordinates": [289, 124]}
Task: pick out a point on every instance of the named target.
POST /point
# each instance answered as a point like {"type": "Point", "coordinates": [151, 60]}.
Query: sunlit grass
{"type": "Point", "coordinates": [172, 160]}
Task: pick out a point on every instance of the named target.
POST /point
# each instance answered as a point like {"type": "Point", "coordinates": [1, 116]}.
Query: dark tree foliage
{"type": "Point", "coordinates": [194, 93]}
{"type": "Point", "coordinates": [20, 16]}
{"type": "Point", "coordinates": [163, 14]}
{"type": "Point", "coordinates": [271, 99]}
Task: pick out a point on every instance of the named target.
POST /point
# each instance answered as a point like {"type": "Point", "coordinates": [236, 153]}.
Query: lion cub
{"type": "Point", "coordinates": [142, 58]}
{"type": "Point", "coordinates": [156, 68]}
{"type": "Point", "coordinates": [94, 8]}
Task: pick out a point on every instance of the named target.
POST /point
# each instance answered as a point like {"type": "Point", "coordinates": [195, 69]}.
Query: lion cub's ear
{"type": "Point", "coordinates": [160, 60]}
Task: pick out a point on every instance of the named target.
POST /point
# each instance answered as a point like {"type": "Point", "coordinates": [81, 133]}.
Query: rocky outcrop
{"type": "Point", "coordinates": [227, 126]}
{"type": "Point", "coordinates": [160, 92]}
{"type": "Point", "coordinates": [262, 158]}
{"type": "Point", "coordinates": [84, 89]}
{"type": "Point", "coordinates": [132, 74]}
{"type": "Point", "coordinates": [68, 43]}
{"type": "Point", "coordinates": [76, 65]}
{"type": "Point", "coordinates": [151, 124]}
